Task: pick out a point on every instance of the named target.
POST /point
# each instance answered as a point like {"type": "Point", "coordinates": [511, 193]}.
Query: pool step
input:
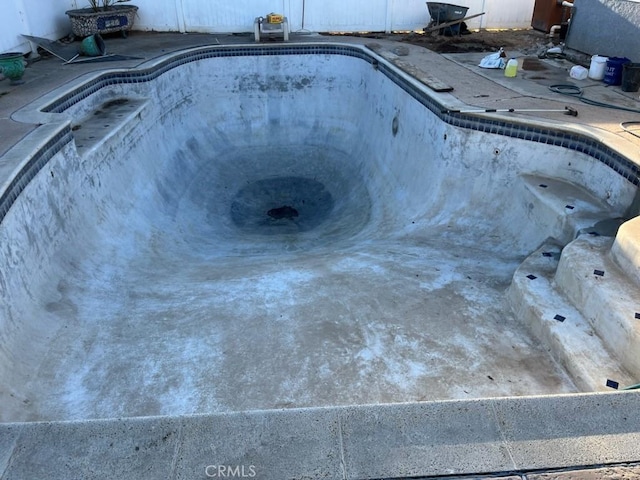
{"type": "Point", "coordinates": [106, 121]}
{"type": "Point", "coordinates": [605, 294]}
{"type": "Point", "coordinates": [561, 208]}
{"type": "Point", "coordinates": [536, 300]}
{"type": "Point", "coordinates": [626, 249]}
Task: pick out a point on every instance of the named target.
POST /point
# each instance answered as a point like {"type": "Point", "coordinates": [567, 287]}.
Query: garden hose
{"type": "Point", "coordinates": [576, 92]}
{"type": "Point", "coordinates": [624, 126]}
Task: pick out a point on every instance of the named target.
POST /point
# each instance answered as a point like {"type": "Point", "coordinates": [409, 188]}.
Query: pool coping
{"type": "Point", "coordinates": [487, 437]}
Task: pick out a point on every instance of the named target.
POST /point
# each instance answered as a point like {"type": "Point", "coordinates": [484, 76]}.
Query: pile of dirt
{"type": "Point", "coordinates": [526, 41]}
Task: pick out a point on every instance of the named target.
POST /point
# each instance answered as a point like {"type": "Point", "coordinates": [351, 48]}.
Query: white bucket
{"type": "Point", "coordinates": [598, 67]}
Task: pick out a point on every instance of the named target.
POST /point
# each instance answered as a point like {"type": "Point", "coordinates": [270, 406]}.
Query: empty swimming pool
{"type": "Point", "coordinates": [233, 229]}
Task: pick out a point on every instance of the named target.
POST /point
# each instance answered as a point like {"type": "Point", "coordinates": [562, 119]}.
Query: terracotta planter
{"type": "Point", "coordinates": [117, 18]}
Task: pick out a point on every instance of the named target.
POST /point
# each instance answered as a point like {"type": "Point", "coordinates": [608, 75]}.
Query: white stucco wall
{"type": "Point", "coordinates": [48, 19]}
{"type": "Point", "coordinates": [14, 22]}
{"type": "Point", "coordinates": [32, 17]}
{"type": "Point", "coordinates": [616, 24]}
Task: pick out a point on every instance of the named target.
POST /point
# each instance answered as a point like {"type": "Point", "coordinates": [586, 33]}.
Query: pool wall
{"type": "Point", "coordinates": [233, 115]}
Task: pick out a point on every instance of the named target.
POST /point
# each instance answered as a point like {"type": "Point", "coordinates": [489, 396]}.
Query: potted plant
{"type": "Point", "coordinates": [102, 16]}
{"type": "Point", "coordinates": [12, 67]}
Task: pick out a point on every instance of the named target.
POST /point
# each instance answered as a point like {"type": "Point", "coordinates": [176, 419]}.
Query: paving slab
{"type": "Point", "coordinates": [274, 444]}
{"type": "Point", "coordinates": [8, 439]}
{"type": "Point", "coordinates": [423, 440]}
{"type": "Point", "coordinates": [12, 132]}
{"type": "Point", "coordinates": [605, 473]}
{"type": "Point", "coordinates": [125, 448]}
{"type": "Point", "coordinates": [562, 431]}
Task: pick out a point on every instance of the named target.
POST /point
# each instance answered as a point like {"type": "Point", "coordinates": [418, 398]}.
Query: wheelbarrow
{"type": "Point", "coordinates": [447, 16]}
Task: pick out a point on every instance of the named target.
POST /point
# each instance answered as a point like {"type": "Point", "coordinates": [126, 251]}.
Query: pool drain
{"type": "Point", "coordinates": [281, 205]}
{"type": "Point", "coordinates": [283, 212]}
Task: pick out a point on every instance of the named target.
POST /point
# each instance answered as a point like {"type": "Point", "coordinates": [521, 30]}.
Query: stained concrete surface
{"type": "Point", "coordinates": [533, 80]}
{"type": "Point", "coordinates": [390, 322]}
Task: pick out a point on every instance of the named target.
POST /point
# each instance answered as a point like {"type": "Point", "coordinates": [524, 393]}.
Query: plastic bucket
{"type": "Point", "coordinates": [93, 46]}
{"type": "Point", "coordinates": [613, 75]}
{"type": "Point", "coordinates": [597, 67]}
{"type": "Point", "coordinates": [630, 77]}
{"type": "Point", "coordinates": [578, 72]}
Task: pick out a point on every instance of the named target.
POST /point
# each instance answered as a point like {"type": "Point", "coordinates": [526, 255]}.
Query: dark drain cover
{"type": "Point", "coordinates": [281, 205]}
{"type": "Point", "coordinates": [283, 212]}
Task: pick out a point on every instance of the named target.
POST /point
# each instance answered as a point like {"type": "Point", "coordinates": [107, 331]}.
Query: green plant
{"type": "Point", "coordinates": [98, 5]}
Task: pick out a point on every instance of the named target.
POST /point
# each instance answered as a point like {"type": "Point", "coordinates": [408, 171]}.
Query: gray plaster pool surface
{"type": "Point", "coordinates": [393, 322]}
{"type": "Point", "coordinates": [309, 269]}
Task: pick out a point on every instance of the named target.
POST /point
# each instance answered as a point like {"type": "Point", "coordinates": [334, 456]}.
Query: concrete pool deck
{"type": "Point", "coordinates": [510, 437]}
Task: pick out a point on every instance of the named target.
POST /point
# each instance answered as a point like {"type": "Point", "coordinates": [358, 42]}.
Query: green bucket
{"type": "Point", "coordinates": [93, 46]}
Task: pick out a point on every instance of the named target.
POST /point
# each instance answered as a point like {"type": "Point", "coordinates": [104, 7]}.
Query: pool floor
{"type": "Point", "coordinates": [396, 320]}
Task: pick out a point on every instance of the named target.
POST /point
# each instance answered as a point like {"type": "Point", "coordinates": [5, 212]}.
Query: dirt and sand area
{"type": "Point", "coordinates": [525, 41]}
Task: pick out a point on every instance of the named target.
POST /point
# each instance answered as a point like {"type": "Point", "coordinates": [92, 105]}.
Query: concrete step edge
{"type": "Point", "coordinates": [566, 207]}
{"type": "Point", "coordinates": [626, 249]}
{"type": "Point", "coordinates": [535, 299]}
{"type": "Point", "coordinates": [608, 299]}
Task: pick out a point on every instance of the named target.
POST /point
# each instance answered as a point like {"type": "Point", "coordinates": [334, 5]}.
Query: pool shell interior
{"type": "Point", "coordinates": [299, 232]}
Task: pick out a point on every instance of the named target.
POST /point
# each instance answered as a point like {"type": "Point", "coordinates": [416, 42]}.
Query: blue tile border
{"type": "Point", "coordinates": [146, 75]}
{"type": "Point", "coordinates": [548, 136]}
{"type": "Point", "coordinates": [32, 167]}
